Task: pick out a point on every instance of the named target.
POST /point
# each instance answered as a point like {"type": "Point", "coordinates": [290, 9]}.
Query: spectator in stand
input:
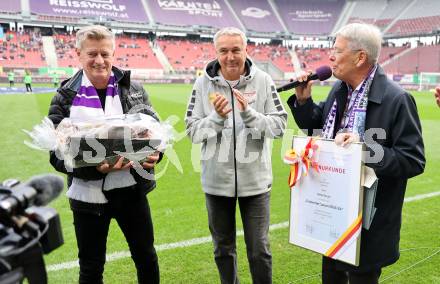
{"type": "Point", "coordinates": [437, 95]}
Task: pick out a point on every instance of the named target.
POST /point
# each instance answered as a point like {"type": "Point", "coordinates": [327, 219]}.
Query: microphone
{"type": "Point", "coordinates": [38, 191]}
{"type": "Point", "coordinates": [48, 188]}
{"type": "Point", "coordinates": [322, 73]}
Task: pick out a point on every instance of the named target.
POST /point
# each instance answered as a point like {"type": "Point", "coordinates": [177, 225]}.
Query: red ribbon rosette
{"type": "Point", "coordinates": [301, 163]}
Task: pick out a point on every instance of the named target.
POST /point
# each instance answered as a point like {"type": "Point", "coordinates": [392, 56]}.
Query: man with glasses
{"type": "Point", "coordinates": [365, 105]}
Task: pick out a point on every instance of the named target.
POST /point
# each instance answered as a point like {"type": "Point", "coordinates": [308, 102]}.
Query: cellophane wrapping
{"type": "Point", "coordinates": [91, 141]}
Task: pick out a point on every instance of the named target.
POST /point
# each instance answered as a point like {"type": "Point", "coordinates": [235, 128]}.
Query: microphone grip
{"type": "Point", "coordinates": [288, 86]}
{"type": "Point", "coordinates": [296, 83]}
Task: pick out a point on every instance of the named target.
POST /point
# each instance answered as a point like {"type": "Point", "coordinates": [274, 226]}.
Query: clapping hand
{"type": "Point", "coordinates": [220, 103]}
{"type": "Point", "coordinates": [242, 101]}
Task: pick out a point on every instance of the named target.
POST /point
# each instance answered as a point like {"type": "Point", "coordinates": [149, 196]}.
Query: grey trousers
{"type": "Point", "coordinates": [255, 217]}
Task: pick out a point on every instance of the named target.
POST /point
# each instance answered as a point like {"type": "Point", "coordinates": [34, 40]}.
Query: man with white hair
{"type": "Point", "coordinates": [233, 111]}
{"type": "Point", "coordinates": [364, 104]}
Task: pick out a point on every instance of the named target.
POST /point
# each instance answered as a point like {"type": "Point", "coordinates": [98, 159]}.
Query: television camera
{"type": "Point", "coordinates": [27, 228]}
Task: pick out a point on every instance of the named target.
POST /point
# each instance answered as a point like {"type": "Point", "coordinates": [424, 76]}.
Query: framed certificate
{"type": "Point", "coordinates": [326, 201]}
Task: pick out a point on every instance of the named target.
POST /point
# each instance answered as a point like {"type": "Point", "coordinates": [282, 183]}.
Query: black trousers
{"type": "Point", "coordinates": [132, 212]}
{"type": "Point", "coordinates": [332, 276]}
{"type": "Point", "coordinates": [28, 88]}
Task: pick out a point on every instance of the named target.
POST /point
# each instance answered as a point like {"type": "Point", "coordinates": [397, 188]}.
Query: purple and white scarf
{"type": "Point", "coordinates": [353, 119]}
{"type": "Point", "coordinates": [87, 104]}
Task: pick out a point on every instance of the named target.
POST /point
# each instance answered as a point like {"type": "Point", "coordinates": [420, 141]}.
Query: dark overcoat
{"type": "Point", "coordinates": [392, 114]}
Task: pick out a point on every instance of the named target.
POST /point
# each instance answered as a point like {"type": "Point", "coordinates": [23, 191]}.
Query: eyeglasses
{"type": "Point", "coordinates": [337, 52]}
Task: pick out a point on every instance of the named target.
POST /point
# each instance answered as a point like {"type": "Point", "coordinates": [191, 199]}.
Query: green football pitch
{"type": "Point", "coordinates": [179, 213]}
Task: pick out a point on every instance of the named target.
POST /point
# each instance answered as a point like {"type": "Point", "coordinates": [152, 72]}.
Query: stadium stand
{"type": "Point", "coordinates": [65, 49]}
{"type": "Point", "coordinates": [135, 52]}
{"type": "Point", "coordinates": [416, 60]}
{"type": "Point", "coordinates": [277, 54]}
{"type": "Point", "coordinates": [185, 55]}
{"type": "Point", "coordinates": [388, 53]}
{"type": "Point", "coordinates": [392, 10]}
{"type": "Point", "coordinates": [415, 26]}
{"type": "Point", "coordinates": [178, 49]}
{"type": "Point", "coordinates": [21, 49]}
{"type": "Point", "coordinates": [422, 18]}
{"type": "Point", "coordinates": [312, 58]}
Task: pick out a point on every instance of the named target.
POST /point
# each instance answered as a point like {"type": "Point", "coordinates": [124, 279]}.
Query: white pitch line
{"type": "Point", "coordinates": [422, 196]}
{"type": "Point", "coordinates": [411, 266]}
{"type": "Point", "coordinates": [198, 241]}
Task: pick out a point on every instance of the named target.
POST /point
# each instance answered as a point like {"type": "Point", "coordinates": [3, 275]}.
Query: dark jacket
{"type": "Point", "coordinates": [134, 99]}
{"type": "Point", "coordinates": [394, 110]}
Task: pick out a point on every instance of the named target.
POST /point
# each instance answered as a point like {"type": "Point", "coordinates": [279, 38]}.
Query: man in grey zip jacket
{"type": "Point", "coordinates": [234, 112]}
